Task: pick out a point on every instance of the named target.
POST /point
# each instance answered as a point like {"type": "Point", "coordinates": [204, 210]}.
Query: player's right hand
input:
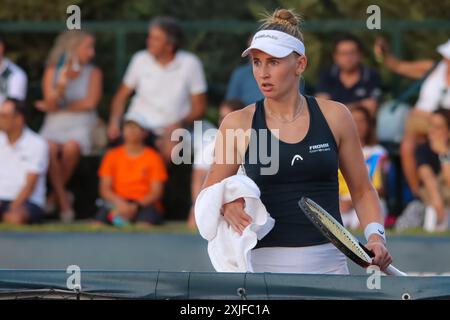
{"type": "Point", "coordinates": [234, 213]}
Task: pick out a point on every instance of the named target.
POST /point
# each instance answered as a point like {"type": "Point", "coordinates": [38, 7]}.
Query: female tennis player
{"type": "Point", "coordinates": [314, 138]}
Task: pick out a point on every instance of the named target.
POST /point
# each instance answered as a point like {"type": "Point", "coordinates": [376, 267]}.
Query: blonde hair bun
{"type": "Point", "coordinates": [285, 16]}
{"type": "Point", "coordinates": [285, 20]}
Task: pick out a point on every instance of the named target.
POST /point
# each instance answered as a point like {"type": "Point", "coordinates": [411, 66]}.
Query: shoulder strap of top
{"type": "Point", "coordinates": [259, 120]}
{"type": "Point", "coordinates": [313, 106]}
{"type": "Point", "coordinates": [320, 126]}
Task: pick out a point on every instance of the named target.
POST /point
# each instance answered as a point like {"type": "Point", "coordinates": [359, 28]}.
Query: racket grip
{"type": "Point", "coordinates": [393, 271]}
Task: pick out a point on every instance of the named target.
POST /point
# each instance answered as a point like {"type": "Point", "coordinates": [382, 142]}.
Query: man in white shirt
{"type": "Point", "coordinates": [169, 85]}
{"type": "Point", "coordinates": [23, 167]}
{"type": "Point", "coordinates": [13, 80]}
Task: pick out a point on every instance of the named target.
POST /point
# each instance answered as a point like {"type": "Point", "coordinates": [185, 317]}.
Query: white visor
{"type": "Point", "coordinates": [444, 49]}
{"type": "Point", "coordinates": [275, 43]}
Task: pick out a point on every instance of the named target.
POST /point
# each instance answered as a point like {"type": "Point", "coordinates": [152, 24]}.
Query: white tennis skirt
{"type": "Point", "coordinates": [320, 259]}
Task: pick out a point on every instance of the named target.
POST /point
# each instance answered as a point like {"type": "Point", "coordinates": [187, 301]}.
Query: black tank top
{"type": "Point", "coordinates": [307, 168]}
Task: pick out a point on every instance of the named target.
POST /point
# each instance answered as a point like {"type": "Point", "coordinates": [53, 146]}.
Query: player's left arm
{"type": "Point", "coordinates": [364, 196]}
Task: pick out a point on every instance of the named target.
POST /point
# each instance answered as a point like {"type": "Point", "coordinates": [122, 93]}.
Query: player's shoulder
{"type": "Point", "coordinates": [239, 119]}
{"type": "Point", "coordinates": [334, 111]}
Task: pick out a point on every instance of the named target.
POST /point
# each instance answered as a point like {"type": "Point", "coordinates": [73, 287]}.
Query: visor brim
{"type": "Point", "coordinates": [275, 51]}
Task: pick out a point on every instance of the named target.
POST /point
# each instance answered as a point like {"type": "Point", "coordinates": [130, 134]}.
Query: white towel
{"type": "Point", "coordinates": [229, 251]}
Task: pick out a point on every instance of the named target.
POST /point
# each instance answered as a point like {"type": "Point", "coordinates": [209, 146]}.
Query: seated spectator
{"type": "Point", "coordinates": [168, 83]}
{"type": "Point", "coordinates": [433, 166]}
{"type": "Point", "coordinates": [415, 134]}
{"type": "Point", "coordinates": [13, 80]}
{"type": "Point", "coordinates": [23, 167]}
{"type": "Point", "coordinates": [72, 88]}
{"type": "Point", "coordinates": [242, 84]}
{"type": "Point", "coordinates": [349, 81]}
{"type": "Point", "coordinates": [132, 178]}
{"type": "Point", "coordinates": [204, 154]}
{"type": "Point", "coordinates": [376, 161]}
{"type": "Point", "coordinates": [434, 92]}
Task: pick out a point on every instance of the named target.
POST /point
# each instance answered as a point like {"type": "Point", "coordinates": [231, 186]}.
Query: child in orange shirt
{"type": "Point", "coordinates": [132, 178]}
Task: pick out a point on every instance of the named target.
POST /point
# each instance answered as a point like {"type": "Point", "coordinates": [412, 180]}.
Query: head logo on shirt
{"type": "Point", "coordinates": [296, 157]}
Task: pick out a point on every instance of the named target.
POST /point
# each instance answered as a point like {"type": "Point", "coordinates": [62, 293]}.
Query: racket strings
{"type": "Point", "coordinates": [333, 230]}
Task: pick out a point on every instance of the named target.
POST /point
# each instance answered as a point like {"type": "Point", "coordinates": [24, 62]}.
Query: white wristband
{"type": "Point", "coordinates": [374, 228]}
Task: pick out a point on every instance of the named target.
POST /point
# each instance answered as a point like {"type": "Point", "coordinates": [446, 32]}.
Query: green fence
{"type": "Point", "coordinates": [121, 29]}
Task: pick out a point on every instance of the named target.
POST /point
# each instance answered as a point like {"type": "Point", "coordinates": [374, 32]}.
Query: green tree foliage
{"type": "Point", "coordinates": [218, 49]}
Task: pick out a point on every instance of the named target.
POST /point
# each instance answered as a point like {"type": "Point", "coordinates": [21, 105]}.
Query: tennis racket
{"type": "Point", "coordinates": [340, 236]}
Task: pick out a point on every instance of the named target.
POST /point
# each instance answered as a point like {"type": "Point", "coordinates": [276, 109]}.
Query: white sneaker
{"type": "Point", "coordinates": [430, 221]}
{"type": "Point", "coordinates": [443, 225]}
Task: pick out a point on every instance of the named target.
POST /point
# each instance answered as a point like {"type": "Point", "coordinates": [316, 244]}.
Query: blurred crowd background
{"type": "Point", "coordinates": [78, 143]}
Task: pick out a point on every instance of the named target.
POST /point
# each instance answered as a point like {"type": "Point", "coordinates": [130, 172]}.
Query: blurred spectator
{"type": "Point", "coordinates": [23, 167]}
{"type": "Point", "coordinates": [376, 161]}
{"type": "Point", "coordinates": [72, 88]}
{"type": "Point", "coordinates": [169, 86]}
{"type": "Point", "coordinates": [434, 92]}
{"type": "Point", "coordinates": [433, 165]}
{"type": "Point", "coordinates": [348, 80]}
{"type": "Point", "coordinates": [13, 80]}
{"type": "Point", "coordinates": [204, 153]}
{"type": "Point", "coordinates": [242, 84]}
{"type": "Point", "coordinates": [132, 178]}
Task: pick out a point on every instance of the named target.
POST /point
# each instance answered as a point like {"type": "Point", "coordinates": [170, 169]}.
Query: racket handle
{"type": "Point", "coordinates": [393, 271]}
